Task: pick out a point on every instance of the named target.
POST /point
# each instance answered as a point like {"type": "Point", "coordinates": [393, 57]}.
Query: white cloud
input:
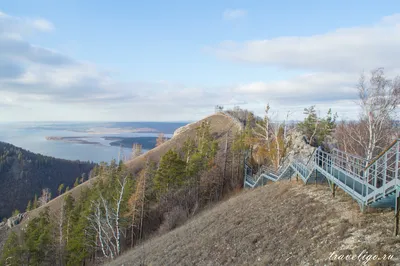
{"type": "Point", "coordinates": [37, 83]}
{"type": "Point", "coordinates": [42, 24]}
{"type": "Point", "coordinates": [345, 49]}
{"type": "Point", "coordinates": [18, 27]}
{"type": "Point", "coordinates": [314, 87]}
{"type": "Point", "coordinates": [39, 79]}
{"type": "Point", "coordinates": [333, 62]}
{"type": "Point", "coordinates": [231, 14]}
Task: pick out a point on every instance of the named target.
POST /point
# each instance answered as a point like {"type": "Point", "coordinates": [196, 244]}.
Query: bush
{"type": "Point", "coordinates": [172, 219]}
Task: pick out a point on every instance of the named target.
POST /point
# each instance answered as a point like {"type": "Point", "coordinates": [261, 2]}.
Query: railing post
{"type": "Point", "coordinates": [396, 175]}
{"type": "Point", "coordinates": [375, 173]}
{"type": "Point", "coordinates": [384, 174]}
{"type": "Point", "coordinates": [397, 213]}
{"type": "Point", "coordinates": [362, 189]}
{"type": "Point", "coordinates": [396, 166]}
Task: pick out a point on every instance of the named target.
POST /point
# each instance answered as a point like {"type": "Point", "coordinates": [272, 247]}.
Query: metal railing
{"type": "Point", "coordinates": [365, 184]}
{"type": "Point", "coordinates": [383, 172]}
{"type": "Point", "coordinates": [349, 163]}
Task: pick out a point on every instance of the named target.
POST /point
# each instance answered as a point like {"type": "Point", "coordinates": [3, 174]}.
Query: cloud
{"type": "Point", "coordinates": [22, 51]}
{"type": "Point", "coordinates": [16, 26]}
{"type": "Point", "coordinates": [231, 14]}
{"type": "Point", "coordinates": [41, 74]}
{"type": "Point", "coordinates": [331, 62]}
{"type": "Point", "coordinates": [315, 87]}
{"type": "Point", "coordinates": [42, 24]}
{"type": "Point", "coordinates": [345, 49]}
{"type": "Point", "coordinates": [54, 86]}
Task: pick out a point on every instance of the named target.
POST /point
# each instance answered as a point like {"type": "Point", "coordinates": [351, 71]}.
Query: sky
{"type": "Point", "coordinates": [157, 60]}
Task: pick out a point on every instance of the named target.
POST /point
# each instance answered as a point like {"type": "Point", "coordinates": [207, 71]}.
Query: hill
{"type": "Point", "coordinates": [24, 174]}
{"type": "Point", "coordinates": [284, 223]}
{"type": "Point", "coordinates": [220, 125]}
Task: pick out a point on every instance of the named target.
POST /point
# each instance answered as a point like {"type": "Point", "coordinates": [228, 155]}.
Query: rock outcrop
{"type": "Point", "coordinates": [15, 220]}
{"type": "Point", "coordinates": [300, 149]}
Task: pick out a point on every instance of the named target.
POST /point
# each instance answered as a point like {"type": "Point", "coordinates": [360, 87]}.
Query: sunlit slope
{"type": "Point", "coordinates": [285, 223]}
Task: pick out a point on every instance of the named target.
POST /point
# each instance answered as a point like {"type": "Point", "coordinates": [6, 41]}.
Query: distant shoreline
{"type": "Point", "coordinates": [147, 143]}
{"type": "Point", "coordinates": [79, 140]}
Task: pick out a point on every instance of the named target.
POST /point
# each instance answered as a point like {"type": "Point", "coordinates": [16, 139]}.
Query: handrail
{"type": "Point", "coordinates": [349, 154]}
{"type": "Point", "coordinates": [343, 169]}
{"type": "Point", "coordinates": [381, 154]}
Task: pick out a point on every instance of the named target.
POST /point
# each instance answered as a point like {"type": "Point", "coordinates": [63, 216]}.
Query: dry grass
{"type": "Point", "coordinates": [285, 223]}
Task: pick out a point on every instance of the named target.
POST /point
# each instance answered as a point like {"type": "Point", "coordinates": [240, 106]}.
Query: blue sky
{"type": "Point", "coordinates": [174, 60]}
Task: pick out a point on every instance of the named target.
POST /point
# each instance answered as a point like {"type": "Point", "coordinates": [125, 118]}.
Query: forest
{"type": "Point", "coordinates": [122, 208]}
{"type": "Point", "coordinates": [24, 174]}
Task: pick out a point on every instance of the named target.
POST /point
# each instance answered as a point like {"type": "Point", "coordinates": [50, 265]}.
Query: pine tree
{"type": "Point", "coordinates": [189, 147]}
{"type": "Point", "coordinates": [68, 211]}
{"type": "Point", "coordinates": [76, 182]}
{"type": "Point", "coordinates": [15, 212]}
{"type": "Point", "coordinates": [38, 239]}
{"type": "Point", "coordinates": [12, 252]}
{"type": "Point", "coordinates": [78, 238]}
{"type": "Point", "coordinates": [35, 202]}
{"type": "Point", "coordinates": [170, 173]}
{"type": "Point", "coordinates": [29, 206]}
{"type": "Point", "coordinates": [60, 189]}
{"type": "Point", "coordinates": [314, 128]}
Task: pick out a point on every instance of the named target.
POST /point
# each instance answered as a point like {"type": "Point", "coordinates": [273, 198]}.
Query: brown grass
{"type": "Point", "coordinates": [285, 223]}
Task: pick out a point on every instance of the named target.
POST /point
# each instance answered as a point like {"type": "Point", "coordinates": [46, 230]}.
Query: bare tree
{"type": "Point", "coordinates": [378, 98]}
{"type": "Point", "coordinates": [160, 139]}
{"type": "Point", "coordinates": [105, 221]}
{"type": "Point", "coordinates": [137, 199]}
{"type": "Point", "coordinates": [270, 137]}
{"type": "Point", "coordinates": [136, 150]}
{"type": "Point", "coordinates": [351, 137]}
{"type": "Point", "coordinates": [61, 242]}
{"type": "Point", "coordinates": [262, 130]}
{"type": "Point", "coordinates": [45, 197]}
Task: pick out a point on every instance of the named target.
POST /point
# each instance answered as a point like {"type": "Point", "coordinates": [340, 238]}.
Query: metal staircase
{"type": "Point", "coordinates": [375, 183]}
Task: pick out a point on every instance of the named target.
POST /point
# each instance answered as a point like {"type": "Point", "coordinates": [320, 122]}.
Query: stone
{"type": "Point", "coordinates": [13, 221]}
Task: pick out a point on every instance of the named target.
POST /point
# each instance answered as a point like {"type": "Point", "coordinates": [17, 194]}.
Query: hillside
{"type": "Point", "coordinates": [284, 223]}
{"type": "Point", "coordinates": [219, 124]}
{"type": "Point", "coordinates": [222, 129]}
{"type": "Point", "coordinates": [24, 174]}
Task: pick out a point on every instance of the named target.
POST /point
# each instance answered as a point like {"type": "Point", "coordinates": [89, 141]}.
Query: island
{"type": "Point", "coordinates": [79, 140]}
{"type": "Point", "coordinates": [147, 143]}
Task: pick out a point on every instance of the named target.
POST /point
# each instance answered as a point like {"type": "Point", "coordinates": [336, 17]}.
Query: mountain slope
{"type": "Point", "coordinates": [24, 174]}
{"type": "Point", "coordinates": [222, 128]}
{"type": "Point", "coordinates": [220, 125]}
{"type": "Point", "coordinates": [285, 223]}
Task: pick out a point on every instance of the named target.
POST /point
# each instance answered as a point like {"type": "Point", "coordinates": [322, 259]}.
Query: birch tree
{"type": "Point", "coordinates": [269, 138]}
{"type": "Point", "coordinates": [379, 98]}
{"type": "Point", "coordinates": [106, 219]}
